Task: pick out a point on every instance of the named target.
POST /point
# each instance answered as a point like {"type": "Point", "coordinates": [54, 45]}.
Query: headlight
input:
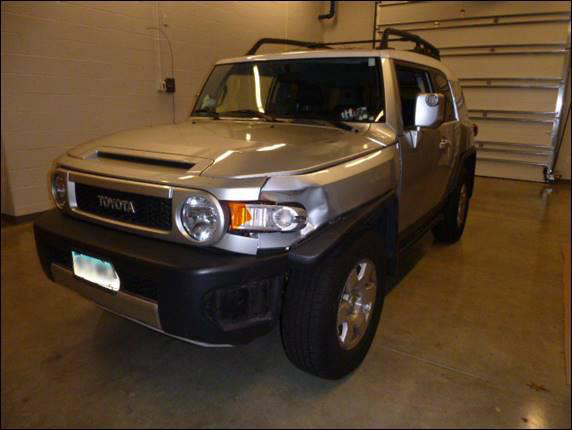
{"type": "Point", "coordinates": [202, 218]}
{"type": "Point", "coordinates": [258, 217]}
{"type": "Point", "coordinates": [59, 189]}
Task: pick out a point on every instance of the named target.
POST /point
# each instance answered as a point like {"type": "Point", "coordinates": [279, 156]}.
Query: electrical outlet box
{"type": "Point", "coordinates": [170, 85]}
{"type": "Point", "coordinates": [166, 86]}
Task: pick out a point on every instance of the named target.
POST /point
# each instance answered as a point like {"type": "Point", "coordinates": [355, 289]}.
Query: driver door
{"type": "Point", "coordinates": [420, 151]}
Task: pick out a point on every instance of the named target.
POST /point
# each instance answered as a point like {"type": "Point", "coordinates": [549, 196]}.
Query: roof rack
{"type": "Point", "coordinates": [421, 45]}
{"type": "Point", "coordinates": [272, 41]}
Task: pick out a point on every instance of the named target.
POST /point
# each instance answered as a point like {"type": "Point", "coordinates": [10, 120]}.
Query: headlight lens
{"type": "Point", "coordinates": [202, 218]}
{"type": "Point", "coordinates": [259, 217]}
{"type": "Point", "coordinates": [59, 189]}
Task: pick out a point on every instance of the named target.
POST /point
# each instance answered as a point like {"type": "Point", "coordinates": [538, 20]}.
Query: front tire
{"type": "Point", "coordinates": [330, 315]}
{"type": "Point", "coordinates": [455, 212]}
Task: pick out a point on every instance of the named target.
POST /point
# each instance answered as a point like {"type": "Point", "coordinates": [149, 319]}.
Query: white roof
{"type": "Point", "coordinates": [337, 53]}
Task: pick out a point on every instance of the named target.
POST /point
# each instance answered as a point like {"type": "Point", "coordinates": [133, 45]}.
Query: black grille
{"type": "Point", "coordinates": [153, 212]}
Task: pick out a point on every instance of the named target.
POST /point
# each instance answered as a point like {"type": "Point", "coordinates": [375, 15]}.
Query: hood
{"type": "Point", "coordinates": [240, 149]}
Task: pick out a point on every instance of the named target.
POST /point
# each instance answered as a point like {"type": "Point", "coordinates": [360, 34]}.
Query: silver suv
{"type": "Point", "coordinates": [286, 197]}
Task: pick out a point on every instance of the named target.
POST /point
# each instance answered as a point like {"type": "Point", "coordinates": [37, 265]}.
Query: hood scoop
{"type": "Point", "coordinates": [176, 164]}
{"type": "Point", "coordinates": [160, 161]}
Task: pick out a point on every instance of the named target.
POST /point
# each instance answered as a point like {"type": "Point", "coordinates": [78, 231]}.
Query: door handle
{"type": "Point", "coordinates": [444, 143]}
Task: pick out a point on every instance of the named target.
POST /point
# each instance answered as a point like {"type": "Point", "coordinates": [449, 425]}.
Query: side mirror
{"type": "Point", "coordinates": [429, 110]}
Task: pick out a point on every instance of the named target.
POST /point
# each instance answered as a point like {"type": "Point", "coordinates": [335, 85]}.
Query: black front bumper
{"type": "Point", "coordinates": [198, 294]}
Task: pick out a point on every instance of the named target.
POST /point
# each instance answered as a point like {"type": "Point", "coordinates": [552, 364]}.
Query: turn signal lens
{"type": "Point", "coordinates": [259, 217]}
{"type": "Point", "coordinates": [239, 215]}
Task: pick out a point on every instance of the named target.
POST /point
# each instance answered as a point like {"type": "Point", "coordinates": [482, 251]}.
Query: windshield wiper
{"type": "Point", "coordinates": [337, 124]}
{"type": "Point", "coordinates": [209, 112]}
{"type": "Point", "coordinates": [251, 112]}
{"type": "Point", "coordinates": [340, 124]}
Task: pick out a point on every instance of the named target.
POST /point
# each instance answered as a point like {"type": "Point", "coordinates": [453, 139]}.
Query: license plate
{"type": "Point", "coordinates": [94, 270]}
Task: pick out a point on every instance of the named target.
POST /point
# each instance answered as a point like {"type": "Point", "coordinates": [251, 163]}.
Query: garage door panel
{"type": "Point", "coordinates": [509, 170]}
{"type": "Point", "coordinates": [510, 58]}
{"type": "Point", "coordinates": [509, 131]}
{"type": "Point", "coordinates": [515, 99]}
{"type": "Point", "coordinates": [451, 9]}
{"type": "Point", "coordinates": [554, 32]}
{"type": "Point", "coordinates": [507, 66]}
{"type": "Point", "coordinates": [518, 158]}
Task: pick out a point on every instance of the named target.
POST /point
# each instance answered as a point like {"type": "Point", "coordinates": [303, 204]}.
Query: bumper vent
{"type": "Point", "coordinates": [137, 209]}
{"type": "Point", "coordinates": [244, 305]}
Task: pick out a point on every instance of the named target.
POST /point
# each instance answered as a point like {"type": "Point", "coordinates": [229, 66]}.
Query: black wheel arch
{"type": "Point", "coordinates": [469, 162]}
{"type": "Point", "coordinates": [379, 215]}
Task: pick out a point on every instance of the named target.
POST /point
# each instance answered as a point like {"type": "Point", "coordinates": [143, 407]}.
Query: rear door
{"type": "Point", "coordinates": [449, 135]}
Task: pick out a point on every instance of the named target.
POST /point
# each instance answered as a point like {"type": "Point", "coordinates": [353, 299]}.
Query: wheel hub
{"type": "Point", "coordinates": [462, 207]}
{"type": "Point", "coordinates": [356, 303]}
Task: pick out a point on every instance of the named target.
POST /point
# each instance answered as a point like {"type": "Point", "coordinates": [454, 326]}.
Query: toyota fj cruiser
{"type": "Point", "coordinates": [286, 197]}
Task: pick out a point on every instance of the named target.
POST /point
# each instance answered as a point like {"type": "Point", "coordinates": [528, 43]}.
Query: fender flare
{"type": "Point", "coordinates": [467, 161]}
{"type": "Point", "coordinates": [380, 215]}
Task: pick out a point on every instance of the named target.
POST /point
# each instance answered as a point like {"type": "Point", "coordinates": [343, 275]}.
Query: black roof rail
{"type": "Point", "coordinates": [421, 45]}
{"type": "Point", "coordinates": [272, 41]}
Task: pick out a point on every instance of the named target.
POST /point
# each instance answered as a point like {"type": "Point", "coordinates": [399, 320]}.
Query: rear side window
{"type": "Point", "coordinates": [441, 85]}
{"type": "Point", "coordinates": [411, 82]}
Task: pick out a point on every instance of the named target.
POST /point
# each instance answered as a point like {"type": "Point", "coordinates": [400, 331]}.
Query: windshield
{"type": "Point", "coordinates": [331, 89]}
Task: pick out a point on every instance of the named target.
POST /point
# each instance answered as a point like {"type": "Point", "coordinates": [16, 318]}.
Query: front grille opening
{"type": "Point", "coordinates": [184, 165]}
{"type": "Point", "coordinates": [62, 257]}
{"type": "Point", "coordinates": [138, 285]}
{"type": "Point", "coordinates": [131, 208]}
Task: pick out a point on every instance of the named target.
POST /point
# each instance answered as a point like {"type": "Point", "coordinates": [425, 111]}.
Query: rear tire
{"type": "Point", "coordinates": [322, 313]}
{"type": "Point", "coordinates": [455, 212]}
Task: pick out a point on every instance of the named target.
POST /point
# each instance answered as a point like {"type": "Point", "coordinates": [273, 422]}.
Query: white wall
{"type": "Point", "coordinates": [74, 71]}
{"type": "Point", "coordinates": [353, 21]}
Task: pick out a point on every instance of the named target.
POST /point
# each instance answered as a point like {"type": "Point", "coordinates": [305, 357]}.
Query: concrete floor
{"type": "Point", "coordinates": [471, 336]}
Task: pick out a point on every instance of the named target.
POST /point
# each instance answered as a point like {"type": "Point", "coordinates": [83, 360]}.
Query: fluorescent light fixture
{"type": "Point", "coordinates": [271, 147]}
{"type": "Point", "coordinates": [371, 139]}
{"type": "Point", "coordinates": [362, 160]}
{"type": "Point", "coordinates": [222, 156]}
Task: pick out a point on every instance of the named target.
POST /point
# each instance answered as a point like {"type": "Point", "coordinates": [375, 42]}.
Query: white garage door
{"type": "Point", "coordinates": [513, 60]}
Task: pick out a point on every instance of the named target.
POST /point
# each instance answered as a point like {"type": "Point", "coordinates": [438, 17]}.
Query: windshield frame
{"type": "Point", "coordinates": [379, 78]}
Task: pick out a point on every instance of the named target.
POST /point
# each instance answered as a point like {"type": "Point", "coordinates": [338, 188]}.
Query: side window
{"type": "Point", "coordinates": [442, 86]}
{"type": "Point", "coordinates": [411, 82]}
{"type": "Point", "coordinates": [460, 100]}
